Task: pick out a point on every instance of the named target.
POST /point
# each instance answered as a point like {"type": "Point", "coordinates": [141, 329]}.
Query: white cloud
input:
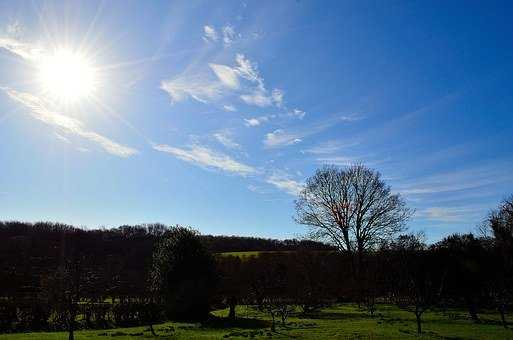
{"type": "Point", "coordinates": [207, 158]}
{"type": "Point", "coordinates": [229, 35]}
{"type": "Point", "coordinates": [242, 80]}
{"type": "Point", "coordinates": [277, 97]}
{"type": "Point", "coordinates": [198, 88]}
{"type": "Point", "coordinates": [281, 138]}
{"type": "Point", "coordinates": [351, 118]}
{"type": "Point", "coordinates": [225, 137]}
{"type": "Point", "coordinates": [227, 75]}
{"type": "Point", "coordinates": [61, 138]}
{"type": "Point", "coordinates": [83, 150]}
{"type": "Point", "coordinates": [256, 98]}
{"type": "Point", "coordinates": [254, 188]}
{"type": "Point", "coordinates": [455, 181]}
{"type": "Point", "coordinates": [65, 124]}
{"type": "Point", "coordinates": [328, 147]}
{"type": "Point", "coordinates": [338, 160]}
{"type": "Point", "coordinates": [230, 108]}
{"type": "Point", "coordinates": [283, 182]}
{"type": "Point", "coordinates": [254, 121]}
{"type": "Point", "coordinates": [451, 214]}
{"type": "Point", "coordinates": [26, 51]}
{"type": "Point", "coordinates": [248, 70]}
{"type": "Point", "coordinates": [298, 113]}
{"type": "Point", "coordinates": [14, 29]}
{"type": "Point", "coordinates": [210, 33]}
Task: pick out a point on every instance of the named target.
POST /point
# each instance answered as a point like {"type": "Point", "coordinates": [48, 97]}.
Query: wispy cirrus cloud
{"type": "Point", "coordinates": [225, 138]}
{"type": "Point", "coordinates": [280, 137]}
{"type": "Point", "coordinates": [197, 87]}
{"type": "Point", "coordinates": [227, 75]}
{"type": "Point", "coordinates": [210, 34]}
{"type": "Point", "coordinates": [456, 181]}
{"type": "Point", "coordinates": [253, 91]}
{"type": "Point", "coordinates": [284, 182]}
{"type": "Point", "coordinates": [452, 214]}
{"type": "Point", "coordinates": [24, 50]}
{"type": "Point", "coordinates": [338, 160]}
{"type": "Point", "coordinates": [256, 121]}
{"type": "Point", "coordinates": [229, 108]}
{"type": "Point", "coordinates": [241, 81]}
{"type": "Point", "coordinates": [329, 147]}
{"type": "Point", "coordinates": [40, 110]}
{"type": "Point", "coordinates": [207, 158]}
{"type": "Point", "coordinates": [227, 35]}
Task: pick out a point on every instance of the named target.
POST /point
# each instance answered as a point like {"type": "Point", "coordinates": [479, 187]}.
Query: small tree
{"type": "Point", "coordinates": [274, 284]}
{"type": "Point", "coordinates": [416, 278]}
{"type": "Point", "coordinates": [234, 283]}
{"type": "Point", "coordinates": [185, 274]}
{"type": "Point", "coordinates": [466, 259]}
{"type": "Point", "coordinates": [64, 290]}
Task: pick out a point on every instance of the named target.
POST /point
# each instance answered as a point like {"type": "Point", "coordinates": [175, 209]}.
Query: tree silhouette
{"type": "Point", "coordinates": [352, 208]}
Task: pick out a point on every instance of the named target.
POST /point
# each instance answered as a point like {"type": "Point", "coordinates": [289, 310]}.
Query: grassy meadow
{"type": "Point", "coordinates": [342, 322]}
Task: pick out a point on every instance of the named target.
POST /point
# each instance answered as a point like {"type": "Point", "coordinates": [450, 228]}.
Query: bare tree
{"type": "Point", "coordinates": [352, 208]}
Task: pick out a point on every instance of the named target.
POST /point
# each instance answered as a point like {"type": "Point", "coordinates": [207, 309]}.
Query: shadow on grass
{"type": "Point", "coordinates": [431, 334]}
{"type": "Point", "coordinates": [334, 316]}
{"type": "Point", "coordinates": [243, 323]}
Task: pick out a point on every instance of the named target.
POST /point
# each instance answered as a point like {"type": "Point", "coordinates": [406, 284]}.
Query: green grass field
{"type": "Point", "coordinates": [342, 322]}
{"type": "Point", "coordinates": [246, 254]}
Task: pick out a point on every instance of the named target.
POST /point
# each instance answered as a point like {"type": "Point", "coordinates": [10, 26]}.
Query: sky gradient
{"type": "Point", "coordinates": [212, 114]}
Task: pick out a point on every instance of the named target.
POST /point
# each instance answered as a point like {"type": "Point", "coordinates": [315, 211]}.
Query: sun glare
{"type": "Point", "coordinates": [67, 76]}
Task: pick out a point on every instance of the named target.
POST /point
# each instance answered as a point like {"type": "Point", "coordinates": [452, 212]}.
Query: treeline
{"type": "Point", "coordinates": [55, 277]}
{"type": "Point", "coordinates": [220, 244]}
{"type": "Point", "coordinates": [114, 266]}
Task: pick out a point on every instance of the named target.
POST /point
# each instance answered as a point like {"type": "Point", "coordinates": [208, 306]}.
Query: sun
{"type": "Point", "coordinates": [67, 76]}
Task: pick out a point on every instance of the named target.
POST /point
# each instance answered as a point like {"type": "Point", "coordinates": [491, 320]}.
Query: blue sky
{"type": "Point", "coordinates": [212, 114]}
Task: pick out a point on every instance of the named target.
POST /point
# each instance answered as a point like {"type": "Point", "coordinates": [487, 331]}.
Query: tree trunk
{"type": "Point", "coordinates": [359, 269]}
{"type": "Point", "coordinates": [472, 310]}
{"type": "Point", "coordinates": [502, 310]}
{"type": "Point", "coordinates": [71, 330]}
{"type": "Point", "coordinates": [152, 330]}
{"type": "Point", "coordinates": [419, 322]}
{"type": "Point", "coordinates": [232, 301]}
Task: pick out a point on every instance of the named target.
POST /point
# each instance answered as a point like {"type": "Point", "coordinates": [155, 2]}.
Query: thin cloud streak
{"type": "Point", "coordinates": [225, 138]}
{"type": "Point", "coordinates": [199, 88]}
{"type": "Point", "coordinates": [207, 158]}
{"type": "Point", "coordinates": [21, 49]}
{"type": "Point", "coordinates": [281, 138]}
{"type": "Point", "coordinates": [283, 182]}
{"type": "Point", "coordinates": [452, 214]}
{"type": "Point", "coordinates": [38, 109]}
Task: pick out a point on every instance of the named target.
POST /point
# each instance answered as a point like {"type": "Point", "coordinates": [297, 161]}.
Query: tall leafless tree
{"type": "Point", "coordinates": [353, 208]}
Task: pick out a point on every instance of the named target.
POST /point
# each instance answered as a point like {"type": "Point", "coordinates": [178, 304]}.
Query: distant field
{"type": "Point", "coordinates": [243, 254]}
{"type": "Point", "coordinates": [339, 322]}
